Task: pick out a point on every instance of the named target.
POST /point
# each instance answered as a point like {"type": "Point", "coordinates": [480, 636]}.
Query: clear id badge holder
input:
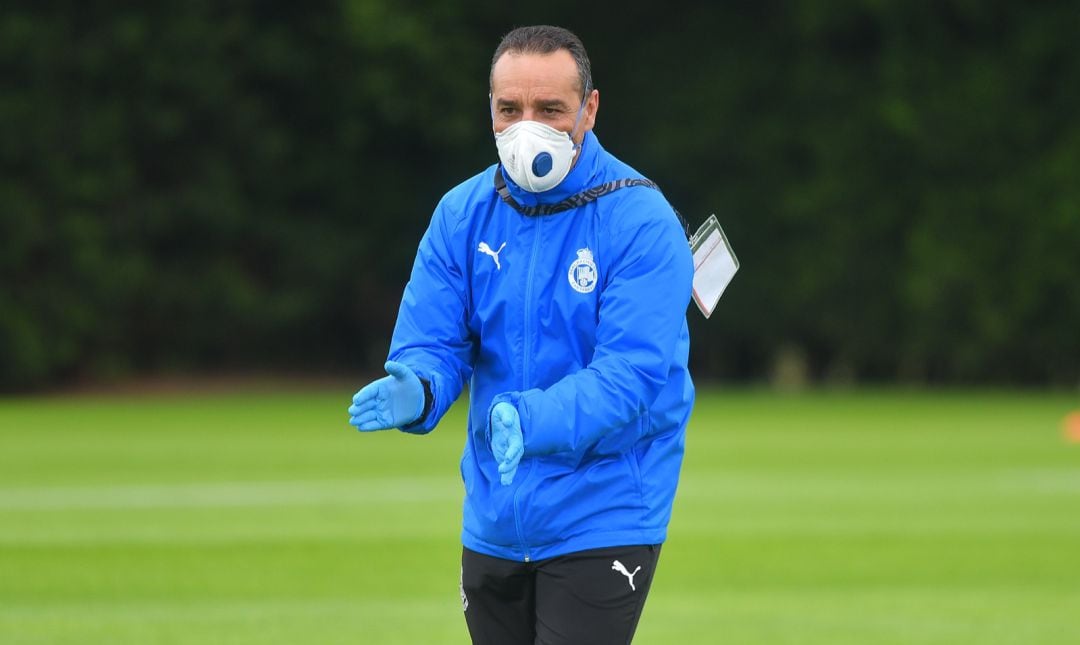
{"type": "Point", "coordinates": [715, 264]}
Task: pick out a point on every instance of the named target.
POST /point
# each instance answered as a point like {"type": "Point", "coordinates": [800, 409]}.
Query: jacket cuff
{"type": "Point", "coordinates": [419, 426]}
{"type": "Point", "coordinates": [536, 442]}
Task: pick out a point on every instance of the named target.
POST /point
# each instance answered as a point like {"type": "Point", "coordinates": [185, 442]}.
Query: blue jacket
{"type": "Point", "coordinates": [579, 320]}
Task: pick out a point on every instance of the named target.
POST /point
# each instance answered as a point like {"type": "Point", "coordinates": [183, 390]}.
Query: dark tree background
{"type": "Point", "coordinates": [205, 186]}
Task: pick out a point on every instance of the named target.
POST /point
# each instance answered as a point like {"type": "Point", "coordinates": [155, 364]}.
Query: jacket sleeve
{"type": "Point", "coordinates": [641, 318]}
{"type": "Point", "coordinates": [431, 335]}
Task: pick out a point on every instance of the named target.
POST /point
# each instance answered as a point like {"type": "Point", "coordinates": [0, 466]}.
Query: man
{"type": "Point", "coordinates": [557, 282]}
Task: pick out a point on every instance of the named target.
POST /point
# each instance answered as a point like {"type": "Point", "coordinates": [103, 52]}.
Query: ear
{"type": "Point", "coordinates": [592, 105]}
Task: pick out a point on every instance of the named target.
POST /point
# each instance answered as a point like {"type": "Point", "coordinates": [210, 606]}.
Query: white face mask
{"type": "Point", "coordinates": [535, 155]}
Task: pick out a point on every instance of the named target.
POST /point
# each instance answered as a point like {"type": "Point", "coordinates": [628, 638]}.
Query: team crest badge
{"type": "Point", "coordinates": [582, 272]}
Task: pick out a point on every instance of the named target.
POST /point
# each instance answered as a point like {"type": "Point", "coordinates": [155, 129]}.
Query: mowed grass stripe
{"type": "Point", "coordinates": [226, 494]}
{"type": "Point", "coordinates": [391, 490]}
{"type": "Point", "coordinates": [331, 621]}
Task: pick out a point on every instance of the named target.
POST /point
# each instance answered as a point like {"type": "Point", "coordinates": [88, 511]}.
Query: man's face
{"type": "Point", "coordinates": [540, 87]}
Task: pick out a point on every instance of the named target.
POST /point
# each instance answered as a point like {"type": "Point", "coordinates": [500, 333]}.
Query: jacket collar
{"type": "Point", "coordinates": [581, 176]}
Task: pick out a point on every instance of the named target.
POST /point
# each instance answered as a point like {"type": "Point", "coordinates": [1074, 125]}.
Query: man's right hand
{"type": "Point", "coordinates": [390, 402]}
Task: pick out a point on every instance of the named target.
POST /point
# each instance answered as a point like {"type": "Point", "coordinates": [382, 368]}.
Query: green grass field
{"type": "Point", "coordinates": [262, 518]}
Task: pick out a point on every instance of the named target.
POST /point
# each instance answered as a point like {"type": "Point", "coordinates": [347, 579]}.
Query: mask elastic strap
{"type": "Point", "coordinates": [577, 120]}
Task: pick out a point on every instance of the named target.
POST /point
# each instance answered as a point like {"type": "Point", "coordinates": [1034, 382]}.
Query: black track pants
{"type": "Point", "coordinates": [590, 597]}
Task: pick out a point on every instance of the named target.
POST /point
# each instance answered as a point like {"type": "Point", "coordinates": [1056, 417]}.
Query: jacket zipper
{"type": "Point", "coordinates": [527, 345]}
{"type": "Point", "coordinates": [527, 339]}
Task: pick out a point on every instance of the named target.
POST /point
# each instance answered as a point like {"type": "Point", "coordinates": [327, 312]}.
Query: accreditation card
{"type": "Point", "coordinates": [715, 264]}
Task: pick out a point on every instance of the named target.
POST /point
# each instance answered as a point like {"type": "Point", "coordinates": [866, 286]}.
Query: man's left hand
{"type": "Point", "coordinates": [507, 442]}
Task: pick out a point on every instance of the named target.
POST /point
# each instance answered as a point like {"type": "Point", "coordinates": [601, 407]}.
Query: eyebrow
{"type": "Point", "coordinates": [551, 103]}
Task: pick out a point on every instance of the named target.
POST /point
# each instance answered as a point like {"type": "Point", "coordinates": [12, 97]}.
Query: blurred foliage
{"type": "Point", "coordinates": [202, 185]}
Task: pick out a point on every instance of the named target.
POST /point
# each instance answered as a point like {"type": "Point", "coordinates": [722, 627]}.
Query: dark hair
{"type": "Point", "coordinates": [545, 39]}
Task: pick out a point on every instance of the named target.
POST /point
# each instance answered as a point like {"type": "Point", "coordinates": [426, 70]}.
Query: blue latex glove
{"type": "Point", "coordinates": [390, 402]}
{"type": "Point", "coordinates": [507, 442]}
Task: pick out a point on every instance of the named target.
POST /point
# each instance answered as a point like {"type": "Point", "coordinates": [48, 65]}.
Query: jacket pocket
{"type": "Point", "coordinates": [635, 472]}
